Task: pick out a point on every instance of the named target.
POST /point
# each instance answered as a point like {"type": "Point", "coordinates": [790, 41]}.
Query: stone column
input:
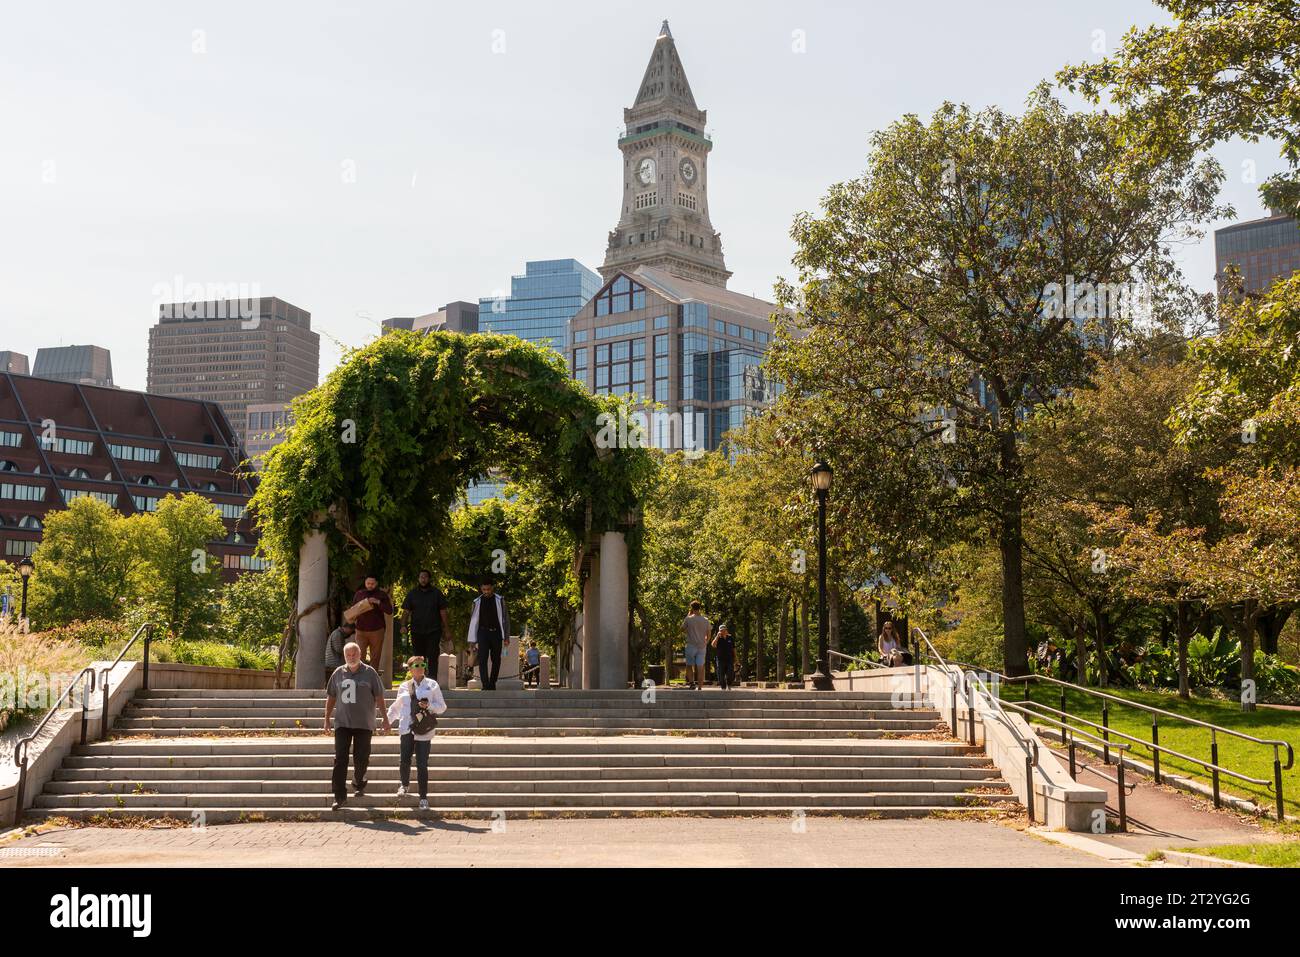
{"type": "Point", "coordinates": [591, 644]}
{"type": "Point", "coordinates": [544, 673]}
{"type": "Point", "coordinates": [613, 611]}
{"type": "Point", "coordinates": [508, 677]}
{"type": "Point", "coordinates": [313, 587]}
{"type": "Point", "coordinates": [386, 654]}
{"type": "Point", "coordinates": [446, 671]}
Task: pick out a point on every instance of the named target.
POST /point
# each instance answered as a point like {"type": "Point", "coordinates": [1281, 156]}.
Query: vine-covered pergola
{"type": "Point", "coordinates": [381, 451]}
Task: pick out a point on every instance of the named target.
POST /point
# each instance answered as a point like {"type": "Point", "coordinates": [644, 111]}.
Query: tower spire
{"type": "Point", "coordinates": [665, 83]}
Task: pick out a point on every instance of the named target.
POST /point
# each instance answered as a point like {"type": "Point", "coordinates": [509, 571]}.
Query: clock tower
{"type": "Point", "coordinates": [665, 218]}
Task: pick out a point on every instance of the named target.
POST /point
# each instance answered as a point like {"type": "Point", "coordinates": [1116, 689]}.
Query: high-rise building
{"type": "Point", "coordinates": [14, 362]}
{"type": "Point", "coordinates": [454, 317]}
{"type": "Point", "coordinates": [267, 425]}
{"type": "Point", "coordinates": [1264, 250]}
{"type": "Point", "coordinates": [84, 365]}
{"type": "Point", "coordinates": [663, 326]}
{"type": "Point", "coordinates": [60, 441]}
{"type": "Point", "coordinates": [541, 302]}
{"type": "Point", "coordinates": [235, 353]}
{"type": "Point", "coordinates": [665, 222]}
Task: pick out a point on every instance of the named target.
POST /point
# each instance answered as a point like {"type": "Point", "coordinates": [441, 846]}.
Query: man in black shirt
{"type": "Point", "coordinates": [489, 629]}
{"type": "Point", "coordinates": [424, 613]}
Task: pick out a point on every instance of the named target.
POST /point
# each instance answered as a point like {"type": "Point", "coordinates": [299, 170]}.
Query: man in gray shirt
{"type": "Point", "coordinates": [697, 629]}
{"type": "Point", "coordinates": [353, 697]}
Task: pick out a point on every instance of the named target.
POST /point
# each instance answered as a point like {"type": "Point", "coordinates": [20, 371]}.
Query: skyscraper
{"type": "Point", "coordinates": [84, 365]}
{"type": "Point", "coordinates": [1264, 250]}
{"type": "Point", "coordinates": [235, 353]}
{"type": "Point", "coordinates": [541, 302]}
{"type": "Point", "coordinates": [665, 217]}
{"type": "Point", "coordinates": [663, 326]}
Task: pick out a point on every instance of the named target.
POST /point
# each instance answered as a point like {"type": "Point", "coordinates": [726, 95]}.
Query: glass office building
{"type": "Point", "coordinates": [541, 302]}
{"type": "Point", "coordinates": [690, 347]}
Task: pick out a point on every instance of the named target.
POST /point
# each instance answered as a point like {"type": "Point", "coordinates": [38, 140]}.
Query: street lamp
{"type": "Point", "coordinates": [25, 568]}
{"type": "Point", "coordinates": [821, 483]}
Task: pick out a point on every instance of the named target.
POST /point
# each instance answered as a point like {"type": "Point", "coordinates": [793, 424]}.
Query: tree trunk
{"type": "Point", "coordinates": [803, 619]}
{"type": "Point", "coordinates": [762, 657]}
{"type": "Point", "coordinates": [1081, 651]}
{"type": "Point", "coordinates": [1101, 624]}
{"type": "Point", "coordinates": [1184, 636]}
{"type": "Point", "coordinates": [780, 642]}
{"type": "Point", "coordinates": [1271, 623]}
{"type": "Point", "coordinates": [832, 618]}
{"type": "Point", "coordinates": [1015, 647]}
{"type": "Point", "coordinates": [1246, 631]}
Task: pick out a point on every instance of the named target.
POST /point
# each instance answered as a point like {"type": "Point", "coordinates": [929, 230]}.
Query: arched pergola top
{"type": "Point", "coordinates": [387, 443]}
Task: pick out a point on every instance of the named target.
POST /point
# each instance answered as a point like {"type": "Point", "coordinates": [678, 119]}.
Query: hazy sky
{"type": "Point", "coordinates": [145, 141]}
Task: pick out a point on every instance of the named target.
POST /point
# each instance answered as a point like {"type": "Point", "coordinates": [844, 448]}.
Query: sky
{"type": "Point", "coordinates": [369, 160]}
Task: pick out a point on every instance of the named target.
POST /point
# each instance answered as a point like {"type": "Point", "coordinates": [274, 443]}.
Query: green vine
{"type": "Point", "coordinates": [386, 445]}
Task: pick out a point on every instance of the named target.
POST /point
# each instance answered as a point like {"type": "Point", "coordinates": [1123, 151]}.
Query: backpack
{"type": "Point", "coordinates": [423, 721]}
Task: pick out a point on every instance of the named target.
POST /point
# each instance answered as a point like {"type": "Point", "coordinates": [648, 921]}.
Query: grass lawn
{"type": "Point", "coordinates": [1246, 757]}
{"type": "Point", "coordinates": [1266, 855]}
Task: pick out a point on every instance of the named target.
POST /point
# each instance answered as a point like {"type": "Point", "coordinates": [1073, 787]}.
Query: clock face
{"type": "Point", "coordinates": [688, 171]}
{"type": "Point", "coordinates": [645, 171]}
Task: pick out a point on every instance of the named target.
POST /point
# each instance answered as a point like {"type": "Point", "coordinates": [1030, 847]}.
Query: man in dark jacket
{"type": "Point", "coordinates": [424, 614]}
{"type": "Point", "coordinates": [489, 629]}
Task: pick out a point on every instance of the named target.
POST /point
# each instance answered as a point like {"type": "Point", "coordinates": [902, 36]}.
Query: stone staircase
{"type": "Point", "coordinates": [230, 755]}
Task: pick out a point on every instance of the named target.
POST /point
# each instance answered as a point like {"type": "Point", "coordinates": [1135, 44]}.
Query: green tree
{"type": "Point", "coordinates": [255, 609]}
{"type": "Point", "coordinates": [183, 577]}
{"type": "Point", "coordinates": [91, 562]}
{"type": "Point", "coordinates": [951, 291]}
{"type": "Point", "coordinates": [1223, 69]}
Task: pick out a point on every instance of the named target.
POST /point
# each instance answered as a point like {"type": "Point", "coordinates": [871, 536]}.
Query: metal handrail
{"type": "Point", "coordinates": [831, 652]}
{"type": "Point", "coordinates": [20, 749]}
{"type": "Point", "coordinates": [145, 629]}
{"type": "Point", "coordinates": [1157, 749]}
{"type": "Point", "coordinates": [993, 705]}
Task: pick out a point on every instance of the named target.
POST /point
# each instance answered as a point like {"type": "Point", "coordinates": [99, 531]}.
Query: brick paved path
{"type": "Point", "coordinates": [643, 842]}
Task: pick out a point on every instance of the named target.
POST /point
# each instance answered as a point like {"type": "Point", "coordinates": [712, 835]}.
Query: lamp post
{"type": "Point", "coordinates": [821, 483]}
{"type": "Point", "coordinates": [25, 568]}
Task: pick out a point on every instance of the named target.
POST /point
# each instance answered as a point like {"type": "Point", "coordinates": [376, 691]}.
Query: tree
{"type": "Point", "coordinates": [255, 608]}
{"type": "Point", "coordinates": [954, 289]}
{"type": "Point", "coordinates": [183, 578]}
{"type": "Point", "coordinates": [92, 561]}
{"type": "Point", "coordinates": [1222, 70]}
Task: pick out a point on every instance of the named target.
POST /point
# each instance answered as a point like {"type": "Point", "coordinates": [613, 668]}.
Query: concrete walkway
{"type": "Point", "coordinates": [1161, 817]}
{"type": "Point", "coordinates": [633, 842]}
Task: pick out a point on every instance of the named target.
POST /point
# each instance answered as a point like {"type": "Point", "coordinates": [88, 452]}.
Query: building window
{"type": "Point", "coordinates": [622, 295]}
{"type": "Point", "coordinates": [18, 547]}
{"type": "Point", "coordinates": [645, 201]}
{"type": "Point", "coordinates": [14, 439]}
{"type": "Point", "coordinates": [68, 446]}
{"type": "Point", "coordinates": [145, 503]}
{"type": "Point", "coordinates": [22, 493]}
{"type": "Point", "coordinates": [134, 453]}
{"type": "Point", "coordinates": [195, 461]}
{"type": "Point", "coordinates": [108, 498]}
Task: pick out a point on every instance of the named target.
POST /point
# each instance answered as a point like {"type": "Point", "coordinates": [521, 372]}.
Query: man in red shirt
{"type": "Point", "coordinates": [371, 624]}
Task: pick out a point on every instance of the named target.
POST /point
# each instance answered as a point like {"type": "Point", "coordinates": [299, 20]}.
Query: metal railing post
{"type": "Point", "coordinates": [1105, 734]}
{"type": "Point", "coordinates": [1277, 783]}
{"type": "Point", "coordinates": [1029, 787]}
{"type": "Point", "coordinates": [1155, 747]}
{"type": "Point", "coordinates": [148, 636]}
{"type": "Point", "coordinates": [1123, 806]}
{"type": "Point", "coordinates": [22, 784]}
{"type": "Point", "coordinates": [1074, 772]}
{"type": "Point", "coordinates": [1214, 773]}
{"type": "Point", "coordinates": [103, 708]}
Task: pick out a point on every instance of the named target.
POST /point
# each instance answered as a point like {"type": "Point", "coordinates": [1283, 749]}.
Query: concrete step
{"type": "Point", "coordinates": [316, 713]}
{"type": "Point", "coordinates": [320, 784]}
{"type": "Point", "coordinates": [313, 812]}
{"type": "Point", "coordinates": [539, 747]}
{"type": "Point", "coordinates": [783, 698]}
{"type": "Point", "coordinates": [767, 733]}
{"type": "Point", "coordinates": [896, 721]}
{"type": "Point", "coordinates": [531, 799]}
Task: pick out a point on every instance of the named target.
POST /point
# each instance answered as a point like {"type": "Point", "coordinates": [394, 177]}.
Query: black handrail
{"type": "Point", "coordinates": [1212, 766]}
{"type": "Point", "coordinates": [145, 629]}
{"type": "Point", "coordinates": [971, 681]}
{"type": "Point", "coordinates": [20, 749]}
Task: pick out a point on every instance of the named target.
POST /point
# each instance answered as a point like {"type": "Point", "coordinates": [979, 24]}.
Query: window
{"type": "Point", "coordinates": [748, 333]}
{"type": "Point", "coordinates": [645, 201]}
{"type": "Point", "coordinates": [621, 350]}
{"type": "Point", "coordinates": [580, 335]}
{"type": "Point", "coordinates": [29, 521]}
{"type": "Point", "coordinates": [22, 493]}
{"type": "Point", "coordinates": [580, 358]}
{"type": "Point", "coordinates": [602, 355]}
{"type": "Point", "coordinates": [638, 348]}
{"type": "Point", "coordinates": [14, 439]}
{"type": "Point", "coordinates": [229, 511]}
{"type": "Point", "coordinates": [661, 345]}
{"type": "Point", "coordinates": [68, 446]}
{"type": "Point", "coordinates": [108, 498]}
{"type": "Point", "coordinates": [195, 461]}
{"type": "Point", "coordinates": [145, 503]}
{"type": "Point", "coordinates": [622, 295]}
{"type": "Point", "coordinates": [18, 548]}
{"type": "Point", "coordinates": [78, 474]}
{"type": "Point", "coordinates": [661, 322]}
{"type": "Point", "coordinates": [134, 453]}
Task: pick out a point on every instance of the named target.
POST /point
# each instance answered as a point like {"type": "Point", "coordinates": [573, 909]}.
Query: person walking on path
{"type": "Point", "coordinates": [418, 703]}
{"type": "Point", "coordinates": [424, 614]}
{"type": "Point", "coordinates": [372, 624]}
{"type": "Point", "coordinates": [725, 644]}
{"type": "Point", "coordinates": [697, 629]}
{"type": "Point", "coordinates": [353, 697]}
{"type": "Point", "coordinates": [334, 645]}
{"type": "Point", "coordinates": [489, 631]}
